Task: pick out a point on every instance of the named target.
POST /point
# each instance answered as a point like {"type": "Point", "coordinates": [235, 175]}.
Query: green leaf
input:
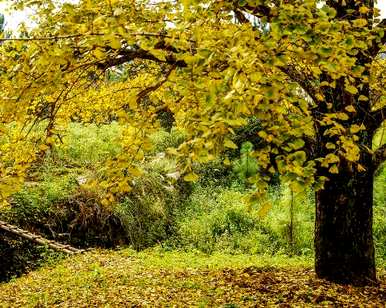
{"type": "Point", "coordinates": [297, 144]}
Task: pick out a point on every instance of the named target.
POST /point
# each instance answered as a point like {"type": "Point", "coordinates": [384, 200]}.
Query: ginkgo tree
{"type": "Point", "coordinates": [311, 72]}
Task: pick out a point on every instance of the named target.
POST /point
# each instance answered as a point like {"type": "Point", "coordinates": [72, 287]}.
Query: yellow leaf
{"type": "Point", "coordinates": [115, 43]}
{"type": "Point", "coordinates": [334, 169]}
{"type": "Point", "coordinates": [342, 116]}
{"type": "Point", "coordinates": [227, 162]}
{"type": "Point", "coordinates": [355, 128]}
{"type": "Point", "coordinates": [263, 211]}
{"type": "Point", "coordinates": [98, 53]}
{"type": "Point", "coordinates": [134, 171]}
{"type": "Point", "coordinates": [350, 109]}
{"type": "Point", "coordinates": [319, 97]}
{"type": "Point", "coordinates": [44, 147]}
{"type": "Point", "coordinates": [230, 144]}
{"type": "Point", "coordinates": [351, 89]}
{"type": "Point", "coordinates": [191, 177]}
{"type": "Point", "coordinates": [158, 54]}
{"type": "Point", "coordinates": [363, 98]}
{"type": "Point", "coordinates": [364, 10]}
{"type": "Point", "coordinates": [361, 22]}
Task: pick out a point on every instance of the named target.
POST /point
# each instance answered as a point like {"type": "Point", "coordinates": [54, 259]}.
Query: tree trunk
{"type": "Point", "coordinates": [344, 248]}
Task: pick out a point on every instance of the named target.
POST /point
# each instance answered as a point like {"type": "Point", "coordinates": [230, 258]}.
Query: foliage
{"type": "Point", "coordinates": [147, 213]}
{"type": "Point", "coordinates": [209, 74]}
{"type": "Point", "coordinates": [216, 219]}
{"type": "Point", "coordinates": [162, 140]}
{"type": "Point", "coordinates": [57, 203]}
{"type": "Point", "coordinates": [246, 166]}
{"type": "Point", "coordinates": [159, 278]}
{"type": "Point", "coordinates": [87, 145]}
{"type": "Point", "coordinates": [308, 73]}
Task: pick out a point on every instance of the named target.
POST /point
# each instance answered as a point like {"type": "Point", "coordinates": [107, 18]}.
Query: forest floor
{"type": "Point", "coordinates": [154, 278]}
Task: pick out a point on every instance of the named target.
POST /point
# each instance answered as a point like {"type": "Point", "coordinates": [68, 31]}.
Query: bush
{"type": "Point", "coordinates": [163, 139]}
{"type": "Point", "coordinates": [57, 207]}
{"type": "Point", "coordinates": [86, 145]}
{"type": "Point", "coordinates": [143, 218]}
{"type": "Point", "coordinates": [147, 214]}
{"type": "Point", "coordinates": [216, 219]}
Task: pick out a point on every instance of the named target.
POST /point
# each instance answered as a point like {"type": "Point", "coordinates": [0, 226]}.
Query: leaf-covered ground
{"type": "Point", "coordinates": [153, 278]}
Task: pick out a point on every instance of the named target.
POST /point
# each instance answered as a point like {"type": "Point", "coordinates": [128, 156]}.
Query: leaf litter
{"type": "Point", "coordinates": [177, 279]}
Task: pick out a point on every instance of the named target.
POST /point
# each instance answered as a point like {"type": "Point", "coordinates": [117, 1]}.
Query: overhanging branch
{"type": "Point", "coordinates": [155, 87]}
{"type": "Point", "coordinates": [259, 11]}
{"type": "Point", "coordinates": [130, 54]}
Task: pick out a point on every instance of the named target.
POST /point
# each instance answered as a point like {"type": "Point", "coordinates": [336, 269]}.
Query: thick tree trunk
{"type": "Point", "coordinates": [343, 237]}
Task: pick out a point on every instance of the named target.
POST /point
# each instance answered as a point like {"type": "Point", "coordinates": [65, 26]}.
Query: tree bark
{"type": "Point", "coordinates": [344, 248]}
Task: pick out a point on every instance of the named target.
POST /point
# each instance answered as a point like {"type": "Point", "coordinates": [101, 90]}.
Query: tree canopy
{"type": "Point", "coordinates": [311, 72]}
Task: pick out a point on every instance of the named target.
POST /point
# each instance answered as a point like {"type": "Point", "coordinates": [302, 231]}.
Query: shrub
{"type": "Point", "coordinates": [85, 145]}
{"type": "Point", "coordinates": [147, 213]}
{"type": "Point", "coordinates": [163, 139]}
{"type": "Point", "coordinates": [216, 219]}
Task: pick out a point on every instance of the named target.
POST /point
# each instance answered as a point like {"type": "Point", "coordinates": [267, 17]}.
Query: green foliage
{"type": "Point", "coordinates": [380, 232]}
{"type": "Point", "coordinates": [56, 204]}
{"type": "Point", "coordinates": [212, 218]}
{"type": "Point", "coordinates": [35, 200]}
{"type": "Point", "coordinates": [88, 144]}
{"type": "Point", "coordinates": [214, 173]}
{"type": "Point", "coordinates": [246, 166]}
{"type": "Point", "coordinates": [379, 187]}
{"type": "Point", "coordinates": [147, 213]}
{"type": "Point", "coordinates": [217, 219]}
{"type": "Point", "coordinates": [162, 140]}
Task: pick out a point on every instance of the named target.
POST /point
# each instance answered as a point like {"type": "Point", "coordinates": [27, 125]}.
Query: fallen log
{"type": "Point", "coordinates": [39, 239]}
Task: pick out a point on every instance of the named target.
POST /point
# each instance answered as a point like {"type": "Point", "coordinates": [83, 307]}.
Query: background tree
{"type": "Point", "coordinates": [312, 76]}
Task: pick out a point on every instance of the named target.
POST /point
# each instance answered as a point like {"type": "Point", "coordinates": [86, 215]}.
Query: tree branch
{"type": "Point", "coordinates": [150, 89]}
{"type": "Point", "coordinates": [377, 46]}
{"type": "Point", "coordinates": [71, 36]}
{"type": "Point", "coordinates": [379, 156]}
{"type": "Point", "coordinates": [259, 11]}
{"type": "Point", "coordinates": [378, 116]}
{"type": "Point", "coordinates": [306, 85]}
{"type": "Point", "coordinates": [129, 54]}
{"type": "Point", "coordinates": [240, 17]}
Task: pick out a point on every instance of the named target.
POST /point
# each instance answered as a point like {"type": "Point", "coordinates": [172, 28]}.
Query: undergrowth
{"type": "Point", "coordinates": [209, 216]}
